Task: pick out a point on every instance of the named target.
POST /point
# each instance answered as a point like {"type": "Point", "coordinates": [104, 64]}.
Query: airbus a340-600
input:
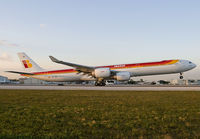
{"type": "Point", "coordinates": [100, 74]}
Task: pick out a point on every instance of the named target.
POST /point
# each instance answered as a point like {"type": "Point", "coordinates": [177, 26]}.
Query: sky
{"type": "Point", "coordinates": [99, 32]}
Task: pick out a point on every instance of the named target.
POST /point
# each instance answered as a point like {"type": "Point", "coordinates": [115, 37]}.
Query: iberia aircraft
{"type": "Point", "coordinates": [100, 74]}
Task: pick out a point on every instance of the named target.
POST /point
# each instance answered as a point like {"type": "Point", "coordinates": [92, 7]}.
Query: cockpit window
{"type": "Point", "coordinates": [190, 62]}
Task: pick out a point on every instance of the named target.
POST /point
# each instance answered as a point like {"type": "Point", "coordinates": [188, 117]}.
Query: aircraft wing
{"type": "Point", "coordinates": [80, 68]}
{"type": "Point", "coordinates": [24, 73]}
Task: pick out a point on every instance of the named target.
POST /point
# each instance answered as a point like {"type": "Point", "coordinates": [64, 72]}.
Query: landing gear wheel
{"type": "Point", "coordinates": [103, 84]}
{"type": "Point", "coordinates": [100, 83]}
{"type": "Point", "coordinates": [181, 75]}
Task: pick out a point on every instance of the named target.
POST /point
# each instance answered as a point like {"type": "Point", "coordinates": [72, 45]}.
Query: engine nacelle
{"type": "Point", "coordinates": [123, 76]}
{"type": "Point", "coordinates": [102, 73]}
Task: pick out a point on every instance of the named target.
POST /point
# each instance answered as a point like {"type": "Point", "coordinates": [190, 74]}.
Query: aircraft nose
{"type": "Point", "coordinates": [188, 65]}
{"type": "Point", "coordinates": [194, 65]}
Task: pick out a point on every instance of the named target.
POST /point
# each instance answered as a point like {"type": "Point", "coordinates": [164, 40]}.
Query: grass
{"type": "Point", "coordinates": [99, 114]}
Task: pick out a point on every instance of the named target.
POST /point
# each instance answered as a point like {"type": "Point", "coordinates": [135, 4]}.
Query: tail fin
{"type": "Point", "coordinates": [28, 63]}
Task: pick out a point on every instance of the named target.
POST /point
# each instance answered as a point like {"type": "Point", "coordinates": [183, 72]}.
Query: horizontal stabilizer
{"type": "Point", "coordinates": [24, 73]}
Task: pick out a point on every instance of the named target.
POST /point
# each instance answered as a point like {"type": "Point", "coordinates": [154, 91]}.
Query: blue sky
{"type": "Point", "coordinates": [99, 32]}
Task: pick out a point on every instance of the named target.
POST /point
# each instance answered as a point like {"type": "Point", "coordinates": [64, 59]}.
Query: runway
{"type": "Point", "coordinates": [111, 88]}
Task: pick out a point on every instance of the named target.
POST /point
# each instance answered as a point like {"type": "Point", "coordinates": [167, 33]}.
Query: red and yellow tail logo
{"type": "Point", "coordinates": [27, 64]}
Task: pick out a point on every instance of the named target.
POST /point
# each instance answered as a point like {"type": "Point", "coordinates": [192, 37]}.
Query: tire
{"type": "Point", "coordinates": [103, 84]}
{"type": "Point", "coordinates": [96, 84]}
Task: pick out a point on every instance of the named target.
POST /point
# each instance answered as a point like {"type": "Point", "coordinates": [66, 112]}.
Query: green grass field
{"type": "Point", "coordinates": [99, 114]}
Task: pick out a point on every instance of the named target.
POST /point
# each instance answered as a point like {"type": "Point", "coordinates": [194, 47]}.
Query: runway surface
{"type": "Point", "coordinates": [114, 88]}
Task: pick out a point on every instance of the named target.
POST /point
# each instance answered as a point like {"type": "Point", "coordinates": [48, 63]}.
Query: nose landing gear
{"type": "Point", "coordinates": [181, 75]}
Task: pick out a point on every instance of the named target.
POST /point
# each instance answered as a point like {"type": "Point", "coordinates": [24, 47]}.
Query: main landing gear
{"type": "Point", "coordinates": [100, 83]}
{"type": "Point", "coordinates": [181, 75]}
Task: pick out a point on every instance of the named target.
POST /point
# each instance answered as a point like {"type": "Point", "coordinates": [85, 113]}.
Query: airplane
{"type": "Point", "coordinates": [99, 74]}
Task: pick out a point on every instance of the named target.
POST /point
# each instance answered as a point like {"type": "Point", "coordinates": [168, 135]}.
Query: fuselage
{"type": "Point", "coordinates": [137, 69]}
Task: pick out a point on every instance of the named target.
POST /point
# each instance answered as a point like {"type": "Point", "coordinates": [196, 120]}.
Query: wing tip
{"type": "Point", "coordinates": [53, 59]}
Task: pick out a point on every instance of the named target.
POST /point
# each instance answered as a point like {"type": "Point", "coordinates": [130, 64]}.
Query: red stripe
{"type": "Point", "coordinates": [138, 64]}
{"type": "Point", "coordinates": [111, 66]}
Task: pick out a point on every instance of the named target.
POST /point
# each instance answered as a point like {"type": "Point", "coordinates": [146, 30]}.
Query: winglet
{"type": "Point", "coordinates": [53, 59]}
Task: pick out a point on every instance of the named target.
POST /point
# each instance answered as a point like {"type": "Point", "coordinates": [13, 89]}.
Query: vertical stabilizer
{"type": "Point", "coordinates": [28, 63]}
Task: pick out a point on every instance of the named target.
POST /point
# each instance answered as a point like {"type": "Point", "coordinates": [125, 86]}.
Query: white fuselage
{"type": "Point", "coordinates": [178, 67]}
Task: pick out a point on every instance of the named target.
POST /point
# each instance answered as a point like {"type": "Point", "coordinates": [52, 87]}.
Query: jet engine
{"type": "Point", "coordinates": [123, 76]}
{"type": "Point", "coordinates": [102, 73]}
